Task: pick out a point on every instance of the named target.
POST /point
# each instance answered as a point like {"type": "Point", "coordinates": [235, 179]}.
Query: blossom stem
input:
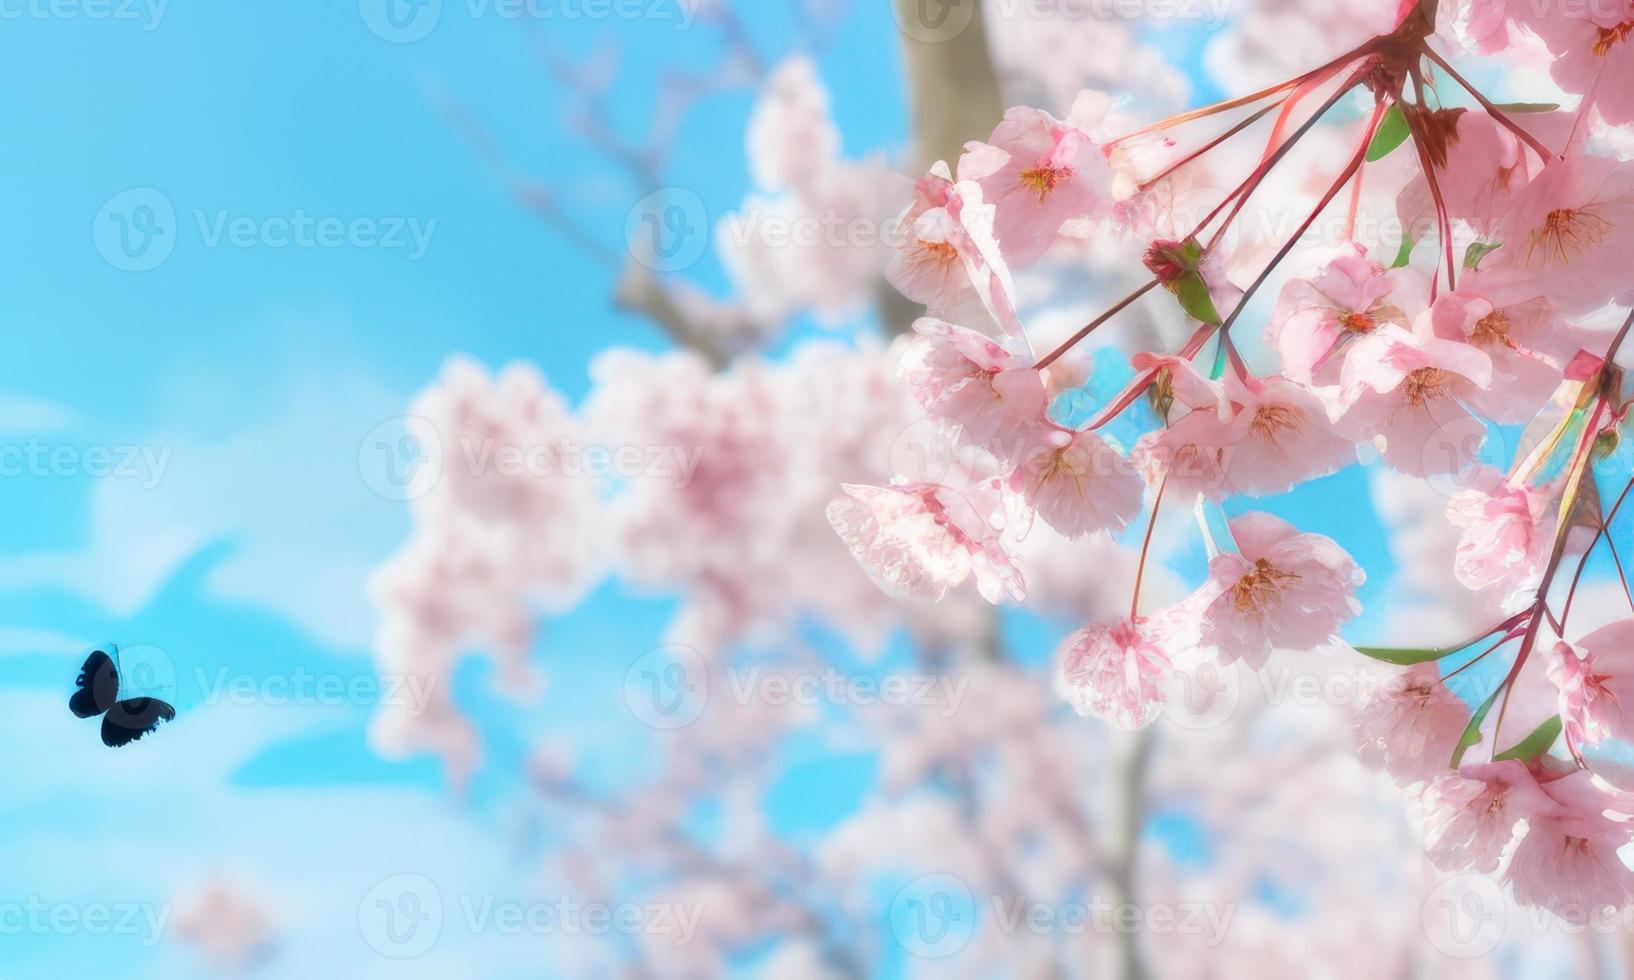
{"type": "Point", "coordinates": [1617, 341]}
{"type": "Point", "coordinates": [1497, 114]}
{"type": "Point", "coordinates": [1622, 576]}
{"type": "Point", "coordinates": [1146, 547]}
{"type": "Point", "coordinates": [1379, 110]}
{"type": "Point", "coordinates": [1603, 531]}
{"type": "Point", "coordinates": [1237, 360]}
{"type": "Point", "coordinates": [1143, 381]}
{"type": "Point", "coordinates": [1512, 634]}
{"type": "Point", "coordinates": [1574, 482]}
{"type": "Point", "coordinates": [1119, 307]}
{"type": "Point", "coordinates": [1241, 100]}
{"type": "Point", "coordinates": [1293, 240]}
{"type": "Point", "coordinates": [1443, 223]}
{"type": "Point", "coordinates": [1210, 145]}
{"type": "Point", "coordinates": [1239, 197]}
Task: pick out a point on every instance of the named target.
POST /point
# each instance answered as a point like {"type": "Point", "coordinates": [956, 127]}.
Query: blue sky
{"type": "Point", "coordinates": [253, 374]}
{"type": "Point", "coordinates": [256, 372]}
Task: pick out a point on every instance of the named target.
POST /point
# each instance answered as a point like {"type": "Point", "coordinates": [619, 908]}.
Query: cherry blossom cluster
{"type": "Point", "coordinates": [1498, 305]}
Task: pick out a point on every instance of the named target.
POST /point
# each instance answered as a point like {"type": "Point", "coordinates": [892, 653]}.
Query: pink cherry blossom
{"type": "Point", "coordinates": [1116, 671]}
{"type": "Point", "coordinates": [1411, 725]}
{"type": "Point", "coordinates": [1486, 166]}
{"type": "Point", "coordinates": [1285, 589]}
{"type": "Point", "coordinates": [1347, 299]}
{"type": "Point", "coordinates": [1280, 435]}
{"type": "Point", "coordinates": [1482, 26]}
{"type": "Point", "coordinates": [1567, 861]}
{"type": "Point", "coordinates": [1524, 341]}
{"type": "Point", "coordinates": [1076, 481]}
{"type": "Point", "coordinates": [1470, 816]}
{"type": "Point", "coordinates": [1505, 538]}
{"type": "Point", "coordinates": [1593, 46]}
{"type": "Point", "coordinates": [965, 223]}
{"type": "Point", "coordinates": [965, 377]}
{"type": "Point", "coordinates": [1040, 173]}
{"type": "Point", "coordinates": [791, 136]}
{"type": "Point", "coordinates": [927, 267]}
{"type": "Point", "coordinates": [921, 539]}
{"type": "Point", "coordinates": [1186, 456]}
{"type": "Point", "coordinates": [1595, 676]}
{"type": "Point", "coordinates": [1409, 388]}
{"type": "Point", "coordinates": [1571, 232]}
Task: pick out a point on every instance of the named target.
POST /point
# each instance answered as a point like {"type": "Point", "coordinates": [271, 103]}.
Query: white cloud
{"type": "Point", "coordinates": [283, 490]}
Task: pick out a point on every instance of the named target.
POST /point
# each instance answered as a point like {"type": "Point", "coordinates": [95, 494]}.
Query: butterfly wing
{"type": "Point", "coordinates": [128, 721]}
{"type": "Point", "coordinates": [98, 686]}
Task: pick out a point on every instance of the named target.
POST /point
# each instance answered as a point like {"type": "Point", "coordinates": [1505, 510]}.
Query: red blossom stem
{"type": "Point", "coordinates": [1239, 197]}
{"type": "Point", "coordinates": [1379, 109]}
{"type": "Point", "coordinates": [1483, 654]}
{"type": "Point", "coordinates": [1242, 100]}
{"type": "Point", "coordinates": [1622, 576]}
{"type": "Point", "coordinates": [1497, 114]}
{"type": "Point", "coordinates": [1568, 504]}
{"type": "Point", "coordinates": [1210, 145]}
{"type": "Point", "coordinates": [1443, 222]}
{"type": "Point", "coordinates": [1293, 240]}
{"type": "Point", "coordinates": [1083, 332]}
{"type": "Point", "coordinates": [1144, 380]}
{"type": "Point", "coordinates": [1146, 547]}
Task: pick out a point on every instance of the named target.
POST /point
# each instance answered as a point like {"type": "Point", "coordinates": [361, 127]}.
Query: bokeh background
{"type": "Point", "coordinates": [242, 240]}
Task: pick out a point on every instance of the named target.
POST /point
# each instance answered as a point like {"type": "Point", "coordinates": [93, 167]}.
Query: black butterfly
{"type": "Point", "coordinates": [125, 721]}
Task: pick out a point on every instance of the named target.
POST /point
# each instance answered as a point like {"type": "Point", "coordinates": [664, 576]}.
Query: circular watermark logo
{"type": "Point", "coordinates": [402, 917]}
{"type": "Point", "coordinates": [1465, 916]}
{"type": "Point", "coordinates": [135, 230]}
{"type": "Point", "coordinates": [934, 916]}
{"type": "Point", "coordinates": [1203, 698]}
{"type": "Point", "coordinates": [668, 230]}
{"type": "Point", "coordinates": [925, 452]}
{"type": "Point", "coordinates": [934, 21]}
{"type": "Point", "coordinates": [668, 687]}
{"type": "Point", "coordinates": [401, 21]}
{"type": "Point", "coordinates": [401, 458]}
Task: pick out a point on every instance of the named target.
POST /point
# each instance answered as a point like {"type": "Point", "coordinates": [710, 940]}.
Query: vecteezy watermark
{"type": "Point", "coordinates": [669, 686]}
{"type": "Point", "coordinates": [138, 229]}
{"type": "Point", "coordinates": [406, 458]}
{"type": "Point", "coordinates": [937, 915]}
{"type": "Point", "coordinates": [407, 21]}
{"type": "Point", "coordinates": [1469, 915]}
{"type": "Point", "coordinates": [34, 916]}
{"type": "Point", "coordinates": [148, 13]}
{"type": "Point", "coordinates": [668, 230]}
{"type": "Point", "coordinates": [135, 230]}
{"type": "Point", "coordinates": [405, 916]}
{"type": "Point", "coordinates": [411, 692]}
{"type": "Point", "coordinates": [145, 464]}
{"type": "Point", "coordinates": [402, 917]}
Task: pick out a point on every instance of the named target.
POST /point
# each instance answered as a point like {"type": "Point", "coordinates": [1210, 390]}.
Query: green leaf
{"type": "Point", "coordinates": [1194, 297]}
{"type": "Point", "coordinates": [1535, 744]}
{"type": "Point", "coordinates": [1478, 251]}
{"type": "Point", "coordinates": [1472, 731]}
{"type": "Point", "coordinates": [1392, 132]}
{"type": "Point", "coordinates": [1403, 657]}
{"type": "Point", "coordinates": [1190, 254]}
{"type": "Point", "coordinates": [1406, 254]}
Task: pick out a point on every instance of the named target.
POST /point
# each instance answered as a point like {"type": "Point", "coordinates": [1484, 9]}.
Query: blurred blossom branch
{"type": "Point", "coordinates": [897, 484]}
